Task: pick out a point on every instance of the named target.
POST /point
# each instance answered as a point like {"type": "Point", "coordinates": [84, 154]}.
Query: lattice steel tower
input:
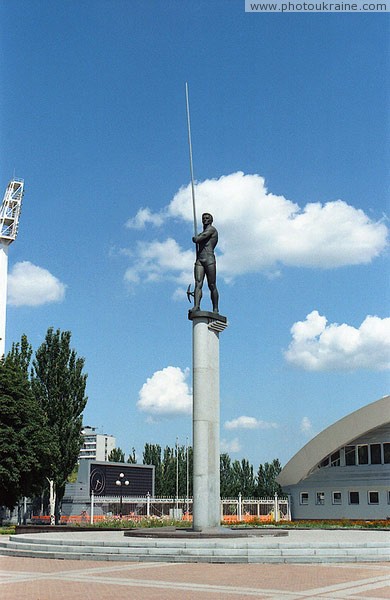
{"type": "Point", "coordinates": [9, 223]}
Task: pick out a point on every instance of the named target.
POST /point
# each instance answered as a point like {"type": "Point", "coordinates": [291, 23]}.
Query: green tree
{"type": "Point", "coordinates": [20, 355]}
{"type": "Point", "coordinates": [167, 465]}
{"type": "Point", "coordinates": [266, 479]}
{"type": "Point", "coordinates": [181, 458]}
{"type": "Point", "coordinates": [152, 456]}
{"type": "Point", "coordinates": [187, 455]}
{"type": "Point", "coordinates": [116, 455]}
{"type": "Point", "coordinates": [243, 480]}
{"type": "Point", "coordinates": [132, 457]}
{"type": "Point", "coordinates": [226, 475]}
{"type": "Point", "coordinates": [168, 484]}
{"type": "Point", "coordinates": [247, 478]}
{"type": "Point", "coordinates": [58, 383]}
{"type": "Point", "coordinates": [25, 440]}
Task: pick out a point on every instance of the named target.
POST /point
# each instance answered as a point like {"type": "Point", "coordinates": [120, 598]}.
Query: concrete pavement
{"type": "Point", "coordinates": [23, 578]}
{"type": "Point", "coordinates": [51, 579]}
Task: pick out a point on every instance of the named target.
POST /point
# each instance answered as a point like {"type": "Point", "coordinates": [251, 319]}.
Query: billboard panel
{"type": "Point", "coordinates": [103, 477]}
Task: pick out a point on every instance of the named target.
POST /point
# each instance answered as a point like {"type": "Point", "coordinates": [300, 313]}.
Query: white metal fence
{"type": "Point", "coordinates": [249, 509]}
{"type": "Point", "coordinates": [94, 509]}
{"type": "Point", "coordinates": [232, 509]}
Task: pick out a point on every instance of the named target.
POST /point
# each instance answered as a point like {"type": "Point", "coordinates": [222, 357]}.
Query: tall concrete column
{"type": "Point", "coordinates": [206, 434]}
{"type": "Point", "coordinates": [3, 293]}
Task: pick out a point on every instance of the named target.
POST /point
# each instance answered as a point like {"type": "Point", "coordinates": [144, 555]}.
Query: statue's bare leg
{"type": "Point", "coordinates": [211, 274]}
{"type": "Point", "coordinates": [199, 274]}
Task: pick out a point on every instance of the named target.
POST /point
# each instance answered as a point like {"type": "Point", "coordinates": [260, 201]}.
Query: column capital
{"type": "Point", "coordinates": [206, 314]}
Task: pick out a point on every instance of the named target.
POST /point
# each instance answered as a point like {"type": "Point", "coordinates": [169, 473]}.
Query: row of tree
{"type": "Point", "coordinates": [173, 472]}
{"type": "Point", "coordinates": [42, 399]}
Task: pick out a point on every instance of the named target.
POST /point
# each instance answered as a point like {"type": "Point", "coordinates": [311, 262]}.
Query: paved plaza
{"type": "Point", "coordinates": [51, 579]}
{"type": "Point", "coordinates": [24, 578]}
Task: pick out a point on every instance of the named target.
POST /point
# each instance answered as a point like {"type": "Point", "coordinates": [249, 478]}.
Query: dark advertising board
{"type": "Point", "coordinates": [104, 475]}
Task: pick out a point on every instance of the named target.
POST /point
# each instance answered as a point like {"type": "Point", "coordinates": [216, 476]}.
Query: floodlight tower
{"type": "Point", "coordinates": [9, 223]}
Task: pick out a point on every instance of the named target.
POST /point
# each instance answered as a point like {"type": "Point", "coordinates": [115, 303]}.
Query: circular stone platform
{"type": "Point", "coordinates": [206, 534]}
{"type": "Point", "coordinates": [305, 546]}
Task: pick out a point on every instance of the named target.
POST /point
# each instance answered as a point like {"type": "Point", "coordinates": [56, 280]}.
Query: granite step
{"type": "Point", "coordinates": [247, 550]}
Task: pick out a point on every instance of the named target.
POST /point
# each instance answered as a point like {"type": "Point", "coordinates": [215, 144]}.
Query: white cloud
{"type": "Point", "coordinates": [29, 285]}
{"type": "Point", "coordinates": [244, 422]}
{"type": "Point", "coordinates": [132, 276]}
{"type": "Point", "coordinates": [260, 231]}
{"type": "Point", "coordinates": [230, 447]}
{"type": "Point", "coordinates": [306, 426]}
{"type": "Point", "coordinates": [166, 393]}
{"type": "Point", "coordinates": [157, 260]}
{"type": "Point", "coordinates": [318, 346]}
{"type": "Point", "coordinates": [144, 216]}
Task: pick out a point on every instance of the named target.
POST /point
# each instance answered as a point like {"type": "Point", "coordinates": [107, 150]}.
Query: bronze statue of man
{"type": "Point", "coordinates": [205, 264]}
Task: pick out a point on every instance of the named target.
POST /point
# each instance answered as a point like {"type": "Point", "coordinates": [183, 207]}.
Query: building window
{"type": "Point", "coordinates": [354, 497]}
{"type": "Point", "coordinates": [375, 453]}
{"type": "Point", "coordinates": [386, 454]}
{"type": "Point", "coordinates": [388, 497]}
{"type": "Point", "coordinates": [335, 459]}
{"type": "Point", "coordinates": [350, 456]}
{"type": "Point", "coordinates": [320, 498]}
{"type": "Point", "coordinates": [373, 497]}
{"type": "Point", "coordinates": [304, 498]}
{"type": "Point", "coordinates": [363, 455]}
{"type": "Point", "coordinates": [336, 497]}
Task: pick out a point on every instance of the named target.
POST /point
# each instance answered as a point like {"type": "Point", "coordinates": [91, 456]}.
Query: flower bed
{"type": "Point", "coordinates": [132, 521]}
{"type": "Point", "coordinates": [321, 524]}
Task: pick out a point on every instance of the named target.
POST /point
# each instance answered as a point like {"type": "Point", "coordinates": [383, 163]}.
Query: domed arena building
{"type": "Point", "coordinates": [343, 472]}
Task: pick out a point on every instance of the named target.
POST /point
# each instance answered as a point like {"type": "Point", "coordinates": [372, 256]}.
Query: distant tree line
{"type": "Point", "coordinates": [173, 472]}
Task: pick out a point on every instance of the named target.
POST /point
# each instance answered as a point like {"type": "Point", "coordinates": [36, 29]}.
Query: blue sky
{"type": "Point", "coordinates": [291, 145]}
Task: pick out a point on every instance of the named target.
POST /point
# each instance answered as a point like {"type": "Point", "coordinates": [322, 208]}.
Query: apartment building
{"type": "Point", "coordinates": [96, 446]}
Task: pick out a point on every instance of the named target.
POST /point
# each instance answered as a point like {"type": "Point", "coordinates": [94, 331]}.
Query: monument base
{"type": "Point", "coordinates": [210, 533]}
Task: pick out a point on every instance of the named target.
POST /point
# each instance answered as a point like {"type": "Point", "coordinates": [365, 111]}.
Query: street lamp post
{"type": "Point", "coordinates": [177, 477]}
{"type": "Point", "coordinates": [187, 479]}
{"type": "Point", "coordinates": [92, 507]}
{"type": "Point", "coordinates": [121, 481]}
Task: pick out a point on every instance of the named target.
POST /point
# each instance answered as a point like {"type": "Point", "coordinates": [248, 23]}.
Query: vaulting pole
{"type": "Point", "coordinates": [206, 327]}
{"type": "Point", "coordinates": [191, 162]}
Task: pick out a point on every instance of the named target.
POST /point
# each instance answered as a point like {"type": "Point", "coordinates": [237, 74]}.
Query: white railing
{"type": "Point", "coordinates": [233, 510]}
{"type": "Point", "coordinates": [250, 509]}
